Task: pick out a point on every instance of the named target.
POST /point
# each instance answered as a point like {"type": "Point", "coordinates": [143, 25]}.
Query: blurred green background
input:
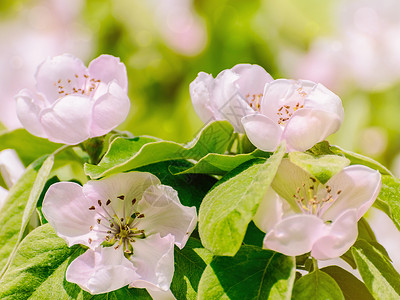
{"type": "Point", "coordinates": [165, 43]}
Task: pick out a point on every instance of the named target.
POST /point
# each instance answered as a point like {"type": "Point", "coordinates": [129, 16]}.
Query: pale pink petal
{"type": "Point", "coordinates": [359, 186]}
{"type": "Point", "coordinates": [342, 234]}
{"type": "Point", "coordinates": [129, 185]}
{"type": "Point", "coordinates": [11, 167]}
{"type": "Point", "coordinates": [101, 271]}
{"type": "Point", "coordinates": [252, 79]}
{"type": "Point", "coordinates": [64, 71]}
{"type": "Point", "coordinates": [67, 210]}
{"type": "Point", "coordinates": [164, 214]}
{"type": "Point", "coordinates": [262, 132]}
{"type": "Point", "coordinates": [28, 110]}
{"type": "Point", "coordinates": [282, 92]}
{"type": "Point", "coordinates": [68, 120]}
{"type": "Point", "coordinates": [269, 212]}
{"type": "Point", "coordinates": [295, 235]}
{"type": "Point", "coordinates": [308, 127]}
{"type": "Point", "coordinates": [109, 110]}
{"type": "Point", "coordinates": [230, 104]}
{"type": "Point", "coordinates": [321, 98]}
{"type": "Point", "coordinates": [201, 92]}
{"type": "Point", "coordinates": [153, 257]}
{"type": "Point", "coordinates": [160, 294]}
{"type": "Point", "coordinates": [108, 68]}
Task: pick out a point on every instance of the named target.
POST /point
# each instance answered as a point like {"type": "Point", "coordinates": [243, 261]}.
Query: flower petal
{"type": "Point", "coordinates": [359, 186]}
{"type": "Point", "coordinates": [160, 294]}
{"type": "Point", "coordinates": [11, 167]}
{"type": "Point", "coordinates": [64, 71]}
{"type": "Point", "coordinates": [342, 234]}
{"type": "Point", "coordinates": [309, 126]}
{"type": "Point", "coordinates": [282, 92]}
{"type": "Point", "coordinates": [68, 120]}
{"type": "Point", "coordinates": [108, 68]}
{"type": "Point", "coordinates": [252, 79]}
{"type": "Point", "coordinates": [129, 185]}
{"type": "Point", "coordinates": [295, 235]}
{"type": "Point", "coordinates": [153, 257]}
{"type": "Point", "coordinates": [230, 104]}
{"type": "Point", "coordinates": [67, 210]}
{"type": "Point", "coordinates": [28, 110]}
{"type": "Point", "coordinates": [101, 271]}
{"type": "Point", "coordinates": [321, 98]}
{"type": "Point", "coordinates": [262, 132]}
{"type": "Point", "coordinates": [269, 212]}
{"type": "Point", "coordinates": [109, 110]}
{"type": "Point", "coordinates": [164, 214]}
{"type": "Point", "coordinates": [201, 92]}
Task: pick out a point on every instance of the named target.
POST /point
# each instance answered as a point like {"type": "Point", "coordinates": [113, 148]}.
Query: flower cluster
{"type": "Point", "coordinates": [129, 222]}
{"type": "Point", "coordinates": [300, 112]}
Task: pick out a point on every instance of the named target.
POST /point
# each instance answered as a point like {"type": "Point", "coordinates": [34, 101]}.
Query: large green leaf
{"type": "Point", "coordinates": [28, 147]}
{"type": "Point", "coordinates": [229, 207]}
{"type": "Point", "coordinates": [317, 285]}
{"type": "Point", "coordinates": [379, 275]}
{"type": "Point", "coordinates": [190, 263]}
{"type": "Point", "coordinates": [359, 159]}
{"type": "Point", "coordinates": [253, 273]}
{"type": "Point", "coordinates": [38, 271]}
{"type": "Point", "coordinates": [322, 167]}
{"type": "Point", "coordinates": [19, 206]}
{"type": "Point", "coordinates": [389, 198]}
{"type": "Point", "coordinates": [122, 156]}
{"type": "Point", "coordinates": [351, 286]}
{"type": "Point", "coordinates": [220, 164]}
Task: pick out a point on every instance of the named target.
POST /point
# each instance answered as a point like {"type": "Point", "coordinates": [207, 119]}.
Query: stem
{"type": "Point", "coordinates": [315, 264]}
{"type": "Point", "coordinates": [231, 142]}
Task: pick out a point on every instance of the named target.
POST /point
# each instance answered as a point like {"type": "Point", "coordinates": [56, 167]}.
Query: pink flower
{"type": "Point", "coordinates": [233, 94]}
{"type": "Point", "coordinates": [301, 113]}
{"type": "Point", "coordinates": [129, 221]}
{"type": "Point", "coordinates": [300, 214]}
{"type": "Point", "coordinates": [74, 103]}
{"type": "Point", "coordinates": [11, 169]}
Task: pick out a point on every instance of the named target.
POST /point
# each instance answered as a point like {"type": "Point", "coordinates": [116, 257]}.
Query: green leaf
{"type": "Point", "coordinates": [253, 273]}
{"type": "Point", "coordinates": [230, 206]}
{"type": "Point", "coordinates": [19, 206]}
{"type": "Point", "coordinates": [38, 271]}
{"type": "Point", "coordinates": [121, 156]}
{"type": "Point", "coordinates": [190, 263]}
{"type": "Point", "coordinates": [220, 164]}
{"type": "Point", "coordinates": [28, 147]}
{"type": "Point", "coordinates": [322, 167]}
{"type": "Point", "coordinates": [379, 275]}
{"type": "Point", "coordinates": [358, 159]}
{"type": "Point", "coordinates": [351, 286]}
{"type": "Point", "coordinates": [191, 188]}
{"type": "Point", "coordinates": [389, 198]}
{"type": "Point", "coordinates": [317, 285]}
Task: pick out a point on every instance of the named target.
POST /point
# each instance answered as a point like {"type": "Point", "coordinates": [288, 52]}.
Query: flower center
{"type": "Point", "coordinates": [119, 230]}
{"type": "Point", "coordinates": [75, 86]}
{"type": "Point", "coordinates": [286, 111]}
{"type": "Point", "coordinates": [310, 202]}
{"type": "Point", "coordinates": [254, 101]}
